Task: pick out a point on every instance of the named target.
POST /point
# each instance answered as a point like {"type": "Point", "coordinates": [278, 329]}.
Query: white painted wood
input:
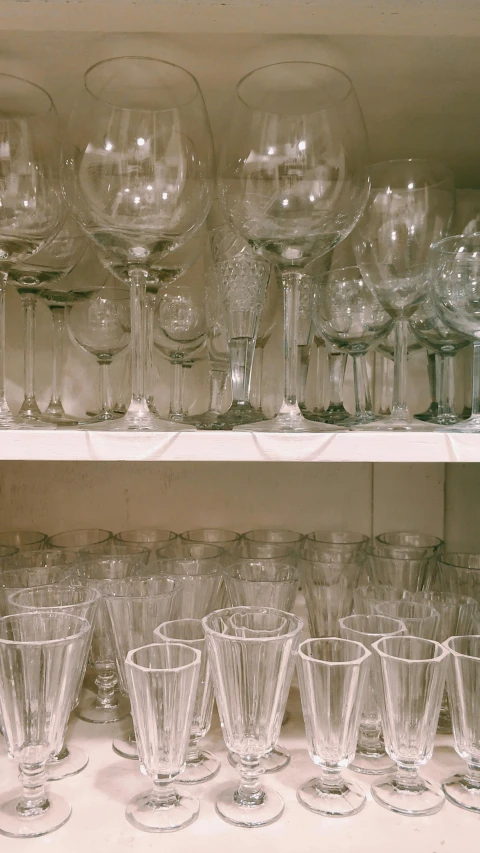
{"type": "Point", "coordinates": [408, 497]}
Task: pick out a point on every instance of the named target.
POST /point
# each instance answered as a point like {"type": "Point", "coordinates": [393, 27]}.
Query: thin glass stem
{"type": "Point", "coordinates": [319, 378]}
{"type": "Point", "coordinates": [363, 402]}
{"type": "Point", "coordinates": [241, 351]}
{"type": "Point", "coordinates": [399, 405]}
{"type": "Point", "coordinates": [193, 752]}
{"type": "Point", "coordinates": [330, 779]}
{"type": "Point", "coordinates": [407, 778]}
{"type": "Point", "coordinates": [58, 321]}
{"type": "Point", "coordinates": [138, 403]}
{"type": "Point", "coordinates": [369, 739]}
{"type": "Point", "coordinates": [432, 376]}
{"type": "Point", "coordinates": [176, 405]}
{"type": "Point", "coordinates": [257, 379]}
{"type": "Point", "coordinates": [105, 389]}
{"type": "Point", "coordinates": [303, 365]}
{"type": "Point", "coordinates": [162, 795]}
{"type": "Point", "coordinates": [218, 386]}
{"type": "Point", "coordinates": [249, 792]}
{"type": "Point", "coordinates": [150, 350]}
{"type": "Point", "coordinates": [476, 379]}
{"type": "Point", "coordinates": [4, 408]}
{"type": "Point", "coordinates": [385, 402]}
{"type": "Point", "coordinates": [29, 303]}
{"type": "Point", "coordinates": [106, 682]}
{"type": "Point", "coordinates": [337, 362]}
{"type": "Point", "coordinates": [446, 386]}
{"type": "Point", "coordinates": [290, 282]}
{"type": "Point", "coordinates": [34, 799]}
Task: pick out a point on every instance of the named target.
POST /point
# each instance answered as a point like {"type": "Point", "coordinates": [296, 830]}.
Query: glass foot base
{"type": "Point", "coordinates": [424, 798]}
{"type": "Point", "coordinates": [276, 760]}
{"type": "Point", "coordinates": [57, 420]}
{"type": "Point", "coordinates": [30, 423]}
{"type": "Point", "coordinates": [289, 423]}
{"type": "Point", "coordinates": [395, 424]}
{"type": "Point", "coordinates": [341, 801]}
{"type": "Point", "coordinates": [205, 767]}
{"type": "Point", "coordinates": [236, 416]}
{"type": "Point", "coordinates": [429, 414]}
{"type": "Point", "coordinates": [372, 764]}
{"type": "Point", "coordinates": [74, 762]}
{"type": "Point", "coordinates": [470, 425]}
{"type": "Point", "coordinates": [126, 747]}
{"type": "Point", "coordinates": [92, 711]}
{"type": "Point", "coordinates": [268, 810]}
{"type": "Point", "coordinates": [329, 416]}
{"type": "Point", "coordinates": [462, 791]}
{"type": "Point", "coordinates": [145, 813]}
{"type": "Point", "coordinates": [53, 817]}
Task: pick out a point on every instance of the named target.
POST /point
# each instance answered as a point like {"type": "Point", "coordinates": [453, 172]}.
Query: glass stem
{"type": "Point", "coordinates": [407, 777]}
{"type": "Point", "coordinates": [218, 386]}
{"type": "Point", "coordinates": [337, 362]}
{"type": "Point", "coordinates": [249, 792]}
{"type": "Point", "coordinates": [319, 378]}
{"type": "Point", "coordinates": [330, 778]}
{"type": "Point", "coordinates": [303, 364]}
{"type": "Point", "coordinates": [4, 408]}
{"type": "Point", "coordinates": [34, 799]}
{"type": "Point", "coordinates": [29, 304]}
{"type": "Point", "coordinates": [149, 350]}
{"type": "Point", "coordinates": [241, 351]}
{"type": "Point", "coordinates": [162, 795]}
{"type": "Point", "coordinates": [385, 383]}
{"type": "Point", "coordinates": [257, 379]}
{"type": "Point", "coordinates": [446, 385]}
{"type": "Point", "coordinates": [432, 377]}
{"type": "Point", "coordinates": [106, 682]}
{"type": "Point", "coordinates": [476, 380]}
{"type": "Point", "coordinates": [176, 405]}
{"type": "Point", "coordinates": [137, 310]}
{"type": "Point", "coordinates": [193, 752]}
{"type": "Point", "coordinates": [291, 287]}
{"type": "Point", "coordinates": [473, 773]}
{"type": "Point", "coordinates": [369, 739]}
{"type": "Point", "coordinates": [58, 321]}
{"type": "Point", "coordinates": [399, 406]}
{"type": "Point", "coordinates": [105, 389]}
{"type": "Point", "coordinates": [363, 402]}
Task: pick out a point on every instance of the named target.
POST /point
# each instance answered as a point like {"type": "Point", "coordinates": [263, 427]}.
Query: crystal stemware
{"type": "Point", "coordinates": [14, 580]}
{"type": "Point", "coordinates": [283, 189]}
{"type": "Point", "coordinates": [411, 206]}
{"type": "Point", "coordinates": [200, 571]}
{"type": "Point", "coordinates": [328, 588]}
{"type": "Point", "coordinates": [141, 184]}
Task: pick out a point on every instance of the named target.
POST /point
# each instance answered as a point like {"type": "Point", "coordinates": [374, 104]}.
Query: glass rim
{"type": "Point", "coordinates": [236, 536]}
{"type": "Point", "coordinates": [370, 552]}
{"type": "Point", "coordinates": [243, 607]}
{"type": "Point", "coordinates": [297, 62]}
{"type": "Point", "coordinates": [83, 628]}
{"type": "Point", "coordinates": [130, 662]}
{"type": "Point", "coordinates": [378, 634]}
{"type": "Point", "coordinates": [91, 591]}
{"type": "Point", "coordinates": [437, 539]}
{"type": "Point", "coordinates": [177, 584]}
{"type": "Point", "coordinates": [248, 561]}
{"type": "Point", "coordinates": [432, 615]}
{"type": "Point", "coordinates": [7, 574]}
{"type": "Point", "coordinates": [366, 653]}
{"type": "Point", "coordinates": [164, 637]}
{"type": "Point", "coordinates": [438, 246]}
{"type": "Point", "coordinates": [51, 110]}
{"type": "Point", "coordinates": [143, 529]}
{"type": "Point", "coordinates": [248, 533]}
{"type": "Point", "coordinates": [137, 57]}
{"type": "Point", "coordinates": [79, 530]}
{"type": "Point", "coordinates": [362, 536]}
{"type": "Point", "coordinates": [449, 174]}
{"type": "Point", "coordinates": [455, 565]}
{"type": "Point", "coordinates": [437, 645]}
{"type": "Point", "coordinates": [447, 646]}
{"type": "Point", "coordinates": [43, 536]}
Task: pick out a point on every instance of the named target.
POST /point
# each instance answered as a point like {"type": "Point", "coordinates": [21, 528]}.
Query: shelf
{"type": "Point", "coordinates": [58, 445]}
{"type": "Point", "coordinates": [100, 793]}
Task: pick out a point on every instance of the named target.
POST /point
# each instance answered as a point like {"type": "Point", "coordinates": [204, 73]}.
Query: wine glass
{"type": "Point", "coordinates": [293, 181]}
{"type": "Point", "coordinates": [411, 206]}
{"type": "Point", "coordinates": [99, 323]}
{"type": "Point", "coordinates": [31, 195]}
{"type": "Point", "coordinates": [140, 184]}
{"type": "Point", "coordinates": [265, 329]}
{"type": "Point", "coordinates": [49, 266]}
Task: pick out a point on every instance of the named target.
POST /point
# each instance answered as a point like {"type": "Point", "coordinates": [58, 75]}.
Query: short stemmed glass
{"type": "Point", "coordinates": [332, 675]}
{"type": "Point", "coordinates": [420, 619]}
{"type": "Point", "coordinates": [162, 682]}
{"type": "Point", "coordinates": [463, 683]}
{"type": "Point", "coordinates": [444, 342]}
{"type": "Point", "coordinates": [410, 675]}
{"type": "Point", "coordinates": [411, 206]}
{"type": "Point", "coordinates": [370, 757]}
{"type": "Point", "coordinates": [67, 760]}
{"type": "Point", "coordinates": [328, 589]}
{"type": "Point", "coordinates": [41, 657]}
{"type": "Point", "coordinates": [252, 653]}
{"type": "Point", "coordinates": [201, 765]}
{"type": "Point", "coordinates": [99, 323]}
{"type": "Point", "coordinates": [283, 189]}
{"type": "Point", "coordinates": [31, 194]}
{"type": "Point", "coordinates": [141, 184]}
{"type": "Point", "coordinates": [200, 571]}
{"type": "Point", "coordinates": [350, 317]}
{"type": "Point", "coordinates": [454, 286]}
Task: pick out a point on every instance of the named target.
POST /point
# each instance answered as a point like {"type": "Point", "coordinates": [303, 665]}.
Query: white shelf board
{"type": "Point", "coordinates": [206, 446]}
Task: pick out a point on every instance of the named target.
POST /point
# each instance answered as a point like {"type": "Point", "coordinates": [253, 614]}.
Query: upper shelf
{"type": "Point", "coordinates": [70, 445]}
{"type": "Point", "coordinates": [326, 17]}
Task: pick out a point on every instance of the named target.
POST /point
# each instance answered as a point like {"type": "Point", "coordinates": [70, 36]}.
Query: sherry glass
{"type": "Point", "coordinates": [332, 675]}
{"type": "Point", "coordinates": [328, 589]}
{"type": "Point", "coordinates": [293, 181]}
{"type": "Point", "coordinates": [410, 675]}
{"type": "Point", "coordinates": [41, 657]}
{"type": "Point", "coordinates": [141, 184]}
{"type": "Point", "coordinates": [411, 206]}
{"type": "Point", "coordinates": [99, 323]}
{"type": "Point", "coordinates": [31, 194]}
{"type": "Point", "coordinates": [252, 653]}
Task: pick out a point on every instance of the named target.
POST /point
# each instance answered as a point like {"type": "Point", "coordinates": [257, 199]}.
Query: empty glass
{"type": "Point", "coordinates": [330, 546]}
{"type": "Point", "coordinates": [67, 760]}
{"type": "Point", "coordinates": [270, 542]}
{"type": "Point", "coordinates": [78, 539]}
{"type": "Point", "coordinates": [46, 557]}
{"type": "Point", "coordinates": [226, 539]}
{"type": "Point", "coordinates": [13, 580]}
{"type": "Point", "coordinates": [201, 765]}
{"type": "Point", "coordinates": [332, 675]}
{"type": "Point", "coordinates": [24, 540]}
{"type": "Point", "coordinates": [6, 553]}
{"type": "Point", "coordinates": [410, 675]}
{"type": "Point", "coordinates": [407, 544]}
{"type": "Point", "coordinates": [366, 598]}
{"type": "Point", "coordinates": [370, 757]}
{"type": "Point", "coordinates": [420, 620]}
{"type": "Point", "coordinates": [135, 606]}
{"type": "Point", "coordinates": [252, 653]}
{"type": "Point", "coordinates": [149, 537]}
{"type": "Point", "coordinates": [328, 589]}
{"type": "Point", "coordinates": [463, 682]}
{"type": "Point", "coordinates": [162, 682]}
{"type": "Point", "coordinates": [460, 573]}
{"type": "Point", "coordinates": [409, 574]}
{"type": "Point", "coordinates": [41, 658]}
{"type": "Point", "coordinates": [200, 572]}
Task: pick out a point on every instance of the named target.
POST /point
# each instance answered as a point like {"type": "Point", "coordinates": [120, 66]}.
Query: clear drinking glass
{"type": "Point", "coordinates": [411, 206]}
{"type": "Point", "coordinates": [31, 195]}
{"type": "Point", "coordinates": [252, 653]}
{"type": "Point", "coordinates": [6, 553]}
{"type": "Point", "coordinates": [421, 620]}
{"type": "Point", "coordinates": [150, 537]}
{"type": "Point", "coordinates": [407, 543]}
{"type": "Point", "coordinates": [330, 546]}
{"type": "Point", "coordinates": [67, 760]}
{"type": "Point", "coordinates": [271, 542]}
{"type": "Point", "coordinates": [135, 606]}
{"type": "Point", "coordinates": [99, 323]}
{"type": "Point", "coordinates": [200, 572]}
{"type": "Point", "coordinates": [328, 589]}
{"type": "Point", "coordinates": [162, 681]}
{"type": "Point", "coordinates": [282, 189]}
{"type": "Point", "coordinates": [41, 657]}
{"type": "Point", "coordinates": [366, 598]}
{"type": "Point", "coordinates": [14, 580]}
{"type": "Point", "coordinates": [412, 574]}
{"type": "Point", "coordinates": [410, 675]}
{"type": "Point", "coordinates": [141, 184]}
{"type": "Point", "coordinates": [463, 682]}
{"type": "Point", "coordinates": [349, 316]}
{"type": "Point", "coordinates": [370, 757]}
{"type": "Point", "coordinates": [460, 573]}
{"type": "Point", "coordinates": [332, 675]}
{"type": "Point", "coordinates": [23, 540]}
{"type": "Point", "coordinates": [226, 539]}
{"type": "Point", "coordinates": [80, 538]}
{"type": "Point", "coordinates": [201, 765]}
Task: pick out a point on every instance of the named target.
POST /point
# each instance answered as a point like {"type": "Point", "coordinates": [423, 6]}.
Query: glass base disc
{"type": "Point", "coordinates": [332, 415]}
{"type": "Point", "coordinates": [470, 425]}
{"type": "Point", "coordinates": [138, 422]}
{"type": "Point", "coordinates": [55, 815]}
{"type": "Point", "coordinates": [59, 420]}
{"type": "Point", "coordinates": [268, 811]}
{"type": "Point", "coordinates": [462, 791]}
{"type": "Point", "coordinates": [92, 711]}
{"type": "Point", "coordinates": [425, 798]}
{"type": "Point", "coordinates": [274, 761]}
{"type": "Point", "coordinates": [372, 764]}
{"type": "Point", "coordinates": [144, 813]}
{"type": "Point", "coordinates": [286, 422]}
{"type": "Point", "coordinates": [237, 415]}
{"type": "Point", "coordinates": [126, 747]}
{"type": "Point", "coordinates": [395, 424]}
{"type": "Point", "coordinates": [342, 801]}
{"type": "Point", "coordinates": [201, 770]}
{"type": "Point", "coordinates": [74, 762]}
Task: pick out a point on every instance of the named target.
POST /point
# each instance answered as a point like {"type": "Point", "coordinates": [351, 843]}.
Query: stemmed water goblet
{"type": "Point", "coordinates": [283, 189]}
{"type": "Point", "coordinates": [99, 323]}
{"type": "Point", "coordinates": [141, 183]}
{"type": "Point", "coordinates": [31, 194]}
{"type": "Point", "coordinates": [411, 206]}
